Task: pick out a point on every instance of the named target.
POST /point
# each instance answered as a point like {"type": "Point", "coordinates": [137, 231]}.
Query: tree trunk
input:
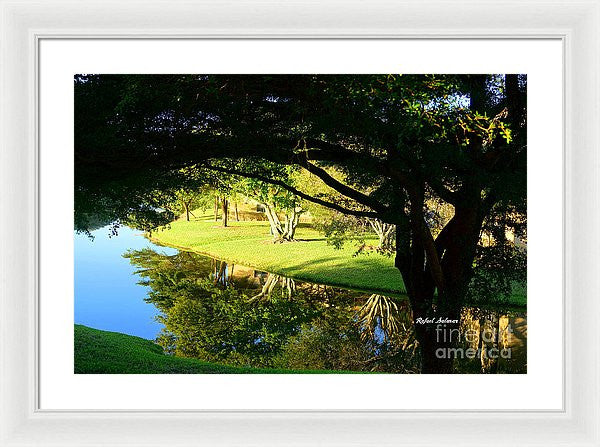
{"type": "Point", "coordinates": [453, 252]}
{"type": "Point", "coordinates": [282, 232]}
{"type": "Point", "coordinates": [186, 205]}
{"type": "Point", "coordinates": [216, 208]}
{"type": "Point", "coordinates": [237, 216]}
{"type": "Point", "coordinates": [291, 223]}
{"type": "Point", "coordinates": [224, 210]}
{"type": "Point", "coordinates": [436, 330]}
{"type": "Point", "coordinates": [384, 232]}
{"type": "Point", "coordinates": [438, 347]}
{"type": "Point", "coordinates": [274, 222]}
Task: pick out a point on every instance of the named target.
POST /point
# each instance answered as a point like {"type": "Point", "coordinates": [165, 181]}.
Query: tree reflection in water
{"type": "Point", "coordinates": [287, 285]}
{"type": "Point", "coordinates": [231, 314]}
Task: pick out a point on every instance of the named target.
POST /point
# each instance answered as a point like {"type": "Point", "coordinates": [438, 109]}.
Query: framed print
{"type": "Point", "coordinates": [283, 314]}
{"type": "Point", "coordinates": [299, 223]}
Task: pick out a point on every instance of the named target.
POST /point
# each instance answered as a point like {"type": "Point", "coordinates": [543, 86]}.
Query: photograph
{"type": "Point", "coordinates": [300, 223]}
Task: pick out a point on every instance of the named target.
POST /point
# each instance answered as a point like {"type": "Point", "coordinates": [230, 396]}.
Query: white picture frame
{"type": "Point", "coordinates": [25, 23]}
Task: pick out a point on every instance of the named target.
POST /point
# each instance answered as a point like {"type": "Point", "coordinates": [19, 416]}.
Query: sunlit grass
{"type": "Point", "coordinates": [310, 258]}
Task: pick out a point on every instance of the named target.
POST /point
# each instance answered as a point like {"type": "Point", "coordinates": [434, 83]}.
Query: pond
{"type": "Point", "coordinates": [107, 295]}
{"type": "Point", "coordinates": [197, 306]}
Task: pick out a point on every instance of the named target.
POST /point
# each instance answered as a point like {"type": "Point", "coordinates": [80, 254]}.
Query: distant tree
{"type": "Point", "coordinates": [276, 201]}
{"type": "Point", "coordinates": [386, 234]}
{"type": "Point", "coordinates": [183, 201]}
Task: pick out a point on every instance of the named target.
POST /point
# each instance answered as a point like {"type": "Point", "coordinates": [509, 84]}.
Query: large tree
{"type": "Point", "coordinates": [403, 140]}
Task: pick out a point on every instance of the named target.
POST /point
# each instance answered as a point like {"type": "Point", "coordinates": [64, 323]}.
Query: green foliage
{"type": "Point", "coordinates": [500, 265]}
{"type": "Point", "coordinates": [215, 323]}
{"type": "Point", "coordinates": [338, 339]}
{"type": "Point", "coordinates": [500, 274]}
{"type": "Point", "coordinates": [220, 325]}
{"type": "Point", "coordinates": [330, 342]}
{"type": "Point", "coordinates": [421, 123]}
{"type": "Point", "coordinates": [263, 192]}
{"type": "Point", "coordinates": [339, 228]}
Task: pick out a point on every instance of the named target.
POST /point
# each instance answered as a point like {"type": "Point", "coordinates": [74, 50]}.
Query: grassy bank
{"type": "Point", "coordinates": [102, 352]}
{"type": "Point", "coordinates": [310, 259]}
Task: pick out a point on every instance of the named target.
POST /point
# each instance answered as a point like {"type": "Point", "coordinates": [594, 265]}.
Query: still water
{"type": "Point", "coordinates": [197, 306]}
{"type": "Point", "coordinates": [107, 295]}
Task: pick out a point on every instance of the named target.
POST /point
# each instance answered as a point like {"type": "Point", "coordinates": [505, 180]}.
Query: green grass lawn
{"type": "Point", "coordinates": [310, 258]}
{"type": "Point", "coordinates": [102, 352]}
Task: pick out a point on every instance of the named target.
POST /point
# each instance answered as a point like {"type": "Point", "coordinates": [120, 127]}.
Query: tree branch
{"type": "Point", "coordinates": [443, 193]}
{"type": "Point", "coordinates": [361, 198]}
{"type": "Point", "coordinates": [426, 239]}
{"type": "Point", "coordinates": [319, 150]}
{"type": "Point", "coordinates": [293, 190]}
{"type": "Point", "coordinates": [432, 257]}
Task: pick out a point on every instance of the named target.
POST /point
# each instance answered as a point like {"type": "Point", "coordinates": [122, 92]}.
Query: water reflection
{"type": "Point", "coordinates": [272, 281]}
{"type": "Point", "coordinates": [232, 314]}
{"type": "Point", "coordinates": [499, 339]}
